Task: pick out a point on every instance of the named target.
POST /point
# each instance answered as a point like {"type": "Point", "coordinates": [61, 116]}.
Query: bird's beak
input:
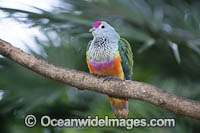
{"type": "Point", "coordinates": [92, 29]}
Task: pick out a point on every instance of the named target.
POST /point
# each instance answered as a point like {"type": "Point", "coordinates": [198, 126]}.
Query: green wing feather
{"type": "Point", "coordinates": [127, 58]}
{"type": "Point", "coordinates": [89, 43]}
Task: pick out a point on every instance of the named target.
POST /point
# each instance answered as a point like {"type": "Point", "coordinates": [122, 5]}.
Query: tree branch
{"type": "Point", "coordinates": [114, 87]}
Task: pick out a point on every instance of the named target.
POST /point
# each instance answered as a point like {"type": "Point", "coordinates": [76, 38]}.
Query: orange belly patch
{"type": "Point", "coordinates": [114, 69]}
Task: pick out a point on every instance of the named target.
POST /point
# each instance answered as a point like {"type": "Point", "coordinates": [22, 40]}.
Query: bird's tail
{"type": "Point", "coordinates": [119, 107]}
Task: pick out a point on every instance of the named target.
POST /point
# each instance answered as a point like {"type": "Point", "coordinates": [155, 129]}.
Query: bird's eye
{"type": "Point", "coordinates": [102, 26]}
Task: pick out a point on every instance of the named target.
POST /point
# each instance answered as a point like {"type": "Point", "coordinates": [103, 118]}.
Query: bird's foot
{"type": "Point", "coordinates": [107, 78]}
{"type": "Point", "coordinates": [98, 76]}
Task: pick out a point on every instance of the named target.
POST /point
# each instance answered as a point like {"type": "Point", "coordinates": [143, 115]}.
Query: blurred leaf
{"type": "Point", "coordinates": [174, 47]}
{"type": "Point", "coordinates": [194, 47]}
{"type": "Point", "coordinates": [147, 45]}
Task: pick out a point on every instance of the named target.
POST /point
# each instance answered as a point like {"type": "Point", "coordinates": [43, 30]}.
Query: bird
{"type": "Point", "coordinates": [110, 55]}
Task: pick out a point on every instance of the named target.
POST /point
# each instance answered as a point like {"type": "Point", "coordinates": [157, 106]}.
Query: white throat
{"type": "Point", "coordinates": [103, 49]}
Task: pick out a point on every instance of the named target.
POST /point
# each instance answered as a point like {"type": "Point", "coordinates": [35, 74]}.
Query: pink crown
{"type": "Point", "coordinates": [96, 24]}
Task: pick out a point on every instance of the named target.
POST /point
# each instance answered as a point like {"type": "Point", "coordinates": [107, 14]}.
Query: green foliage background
{"type": "Point", "coordinates": [165, 38]}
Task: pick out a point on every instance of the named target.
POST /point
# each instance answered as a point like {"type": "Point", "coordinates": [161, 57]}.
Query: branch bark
{"type": "Point", "coordinates": [118, 88]}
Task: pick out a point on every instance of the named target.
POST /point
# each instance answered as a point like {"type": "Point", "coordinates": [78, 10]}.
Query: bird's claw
{"type": "Point", "coordinates": [98, 76]}
{"type": "Point", "coordinates": [107, 78]}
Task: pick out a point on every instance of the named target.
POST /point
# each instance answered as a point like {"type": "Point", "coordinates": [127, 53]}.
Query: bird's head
{"type": "Point", "coordinates": [102, 28]}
